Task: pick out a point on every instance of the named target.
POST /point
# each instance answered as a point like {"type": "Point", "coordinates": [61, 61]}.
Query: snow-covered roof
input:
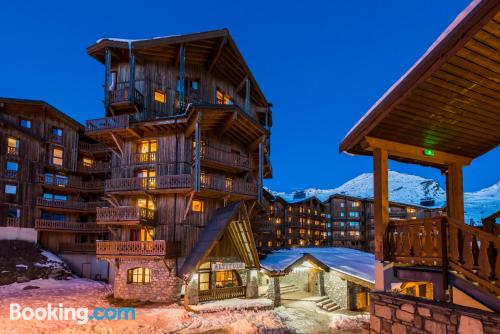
{"type": "Point", "coordinates": [346, 260]}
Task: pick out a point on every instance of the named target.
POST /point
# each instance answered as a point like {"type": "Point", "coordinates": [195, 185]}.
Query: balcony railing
{"type": "Point", "coordinates": [224, 184]}
{"type": "Point", "coordinates": [156, 248]}
{"type": "Point", "coordinates": [77, 247]}
{"type": "Point", "coordinates": [72, 205]}
{"type": "Point", "coordinates": [9, 174]}
{"type": "Point", "coordinates": [107, 123]}
{"type": "Point", "coordinates": [93, 148]}
{"type": "Point", "coordinates": [121, 95]}
{"type": "Point", "coordinates": [145, 158]}
{"type": "Point", "coordinates": [56, 225]}
{"type": "Point", "coordinates": [125, 215]}
{"type": "Point", "coordinates": [222, 293]}
{"type": "Point", "coordinates": [12, 222]}
{"type": "Point", "coordinates": [70, 182]}
{"type": "Point", "coordinates": [224, 157]}
{"type": "Point", "coordinates": [95, 167]}
{"type": "Point", "coordinates": [161, 182]}
{"type": "Point", "coordinates": [12, 151]}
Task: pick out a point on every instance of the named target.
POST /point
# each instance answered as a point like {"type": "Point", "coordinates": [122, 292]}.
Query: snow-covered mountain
{"type": "Point", "coordinates": [411, 189]}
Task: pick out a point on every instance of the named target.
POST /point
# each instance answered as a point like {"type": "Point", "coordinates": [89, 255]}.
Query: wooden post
{"type": "Point", "coordinates": [455, 192]}
{"type": "Point", "coordinates": [107, 69]}
{"type": "Point", "coordinates": [261, 172]}
{"type": "Point", "coordinates": [182, 74]}
{"type": "Point", "coordinates": [247, 96]}
{"type": "Point", "coordinates": [197, 168]}
{"type": "Point", "coordinates": [381, 199]}
{"type": "Point", "coordinates": [131, 89]}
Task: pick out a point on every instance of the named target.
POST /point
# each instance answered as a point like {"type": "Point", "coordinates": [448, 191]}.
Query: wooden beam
{"type": "Point", "coordinates": [241, 84]}
{"type": "Point", "coordinates": [117, 143]}
{"type": "Point", "coordinates": [381, 199]}
{"type": "Point", "coordinates": [217, 54]}
{"type": "Point", "coordinates": [255, 145]}
{"type": "Point", "coordinates": [415, 152]}
{"type": "Point", "coordinates": [228, 123]}
{"type": "Point", "coordinates": [188, 205]}
{"type": "Point", "coordinates": [190, 129]}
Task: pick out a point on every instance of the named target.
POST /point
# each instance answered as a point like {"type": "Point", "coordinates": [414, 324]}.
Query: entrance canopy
{"type": "Point", "coordinates": [446, 108]}
{"type": "Point", "coordinates": [350, 263]}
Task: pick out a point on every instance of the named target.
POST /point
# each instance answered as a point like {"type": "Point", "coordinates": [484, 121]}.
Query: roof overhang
{"type": "Point", "coordinates": [448, 102]}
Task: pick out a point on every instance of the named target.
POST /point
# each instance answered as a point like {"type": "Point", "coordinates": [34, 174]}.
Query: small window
{"type": "Point", "coordinates": [160, 96]}
{"type": "Point", "coordinates": [139, 276]}
{"type": "Point", "coordinates": [269, 243]}
{"type": "Point", "coordinates": [353, 214]}
{"type": "Point", "coordinates": [12, 145]}
{"type": "Point", "coordinates": [11, 166]}
{"type": "Point", "coordinates": [25, 123]}
{"type": "Point", "coordinates": [223, 98]}
{"type": "Point", "coordinates": [58, 132]}
{"type": "Point", "coordinates": [356, 204]}
{"type": "Point", "coordinates": [88, 162]}
{"type": "Point", "coordinates": [342, 204]}
{"type": "Point", "coordinates": [57, 156]}
{"type": "Point", "coordinates": [198, 206]}
{"type": "Point", "coordinates": [10, 189]}
{"type": "Point", "coordinates": [14, 213]}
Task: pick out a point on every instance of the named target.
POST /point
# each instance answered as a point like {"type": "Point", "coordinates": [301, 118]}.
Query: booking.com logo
{"type": "Point", "coordinates": [80, 315]}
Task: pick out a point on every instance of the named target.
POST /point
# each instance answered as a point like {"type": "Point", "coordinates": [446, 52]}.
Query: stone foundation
{"type": "Point", "coordinates": [165, 286]}
{"type": "Point", "coordinates": [392, 313]}
{"type": "Point", "coordinates": [273, 291]}
{"type": "Point", "coordinates": [336, 289]}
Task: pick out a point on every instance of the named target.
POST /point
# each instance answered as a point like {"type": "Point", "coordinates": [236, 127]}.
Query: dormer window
{"type": "Point", "coordinates": [25, 123]}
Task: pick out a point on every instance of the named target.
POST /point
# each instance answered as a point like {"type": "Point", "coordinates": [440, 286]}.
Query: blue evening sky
{"type": "Point", "coordinates": [322, 64]}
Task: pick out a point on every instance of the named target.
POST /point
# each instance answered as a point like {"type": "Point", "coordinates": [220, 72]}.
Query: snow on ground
{"type": "Point", "coordinates": [234, 304]}
{"type": "Point", "coordinates": [349, 261]}
{"type": "Point", "coordinates": [341, 321]}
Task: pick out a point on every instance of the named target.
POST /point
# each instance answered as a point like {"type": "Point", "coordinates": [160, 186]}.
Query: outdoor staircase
{"type": "Point", "coordinates": [326, 304]}
{"type": "Point", "coordinates": [288, 288]}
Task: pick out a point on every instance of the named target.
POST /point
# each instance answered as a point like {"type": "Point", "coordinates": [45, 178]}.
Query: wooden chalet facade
{"type": "Point", "coordinates": [189, 129]}
{"type": "Point", "coordinates": [443, 113]}
{"type": "Point", "coordinates": [52, 178]}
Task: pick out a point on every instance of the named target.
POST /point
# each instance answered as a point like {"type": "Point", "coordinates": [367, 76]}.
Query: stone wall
{"type": "Point", "coordinates": [298, 278]}
{"type": "Point", "coordinates": [336, 289]}
{"type": "Point", "coordinates": [392, 313]}
{"type": "Point", "coordinates": [165, 286]}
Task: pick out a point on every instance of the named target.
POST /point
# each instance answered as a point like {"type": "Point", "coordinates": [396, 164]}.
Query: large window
{"type": "Point", "coordinates": [226, 279]}
{"type": "Point", "coordinates": [12, 146]}
{"type": "Point", "coordinates": [204, 277]}
{"type": "Point", "coordinates": [146, 151]}
{"type": "Point", "coordinates": [57, 156]}
{"type": "Point", "coordinates": [139, 276]}
{"type": "Point", "coordinates": [148, 178]}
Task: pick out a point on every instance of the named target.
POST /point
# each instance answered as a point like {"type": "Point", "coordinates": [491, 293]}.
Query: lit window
{"type": "Point", "coordinates": [145, 203]}
{"type": "Point", "coordinates": [269, 243]}
{"type": "Point", "coordinates": [139, 276]}
{"type": "Point", "coordinates": [160, 96]}
{"type": "Point", "coordinates": [25, 123]}
{"type": "Point", "coordinates": [223, 98]}
{"type": "Point", "coordinates": [10, 189]}
{"type": "Point", "coordinates": [148, 178]}
{"type": "Point", "coordinates": [278, 233]}
{"type": "Point", "coordinates": [342, 204]}
{"type": "Point", "coordinates": [12, 166]}
{"type": "Point", "coordinates": [57, 156]}
{"type": "Point", "coordinates": [58, 132]}
{"type": "Point", "coordinates": [197, 206]}
{"type": "Point", "coordinates": [12, 145]}
{"type": "Point", "coordinates": [356, 204]}
{"type": "Point", "coordinates": [88, 162]}
{"type": "Point", "coordinates": [146, 150]}
{"type": "Point", "coordinates": [289, 241]}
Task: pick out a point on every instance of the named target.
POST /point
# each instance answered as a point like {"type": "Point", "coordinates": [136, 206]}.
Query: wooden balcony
{"type": "Point", "coordinates": [96, 148]}
{"type": "Point", "coordinates": [120, 99]}
{"type": "Point", "coordinates": [68, 226]}
{"type": "Point", "coordinates": [137, 249]}
{"type": "Point", "coordinates": [222, 293]}
{"type": "Point", "coordinates": [95, 167]}
{"type": "Point", "coordinates": [154, 184]}
{"type": "Point", "coordinates": [12, 222]}
{"type": "Point", "coordinates": [217, 158]}
{"type": "Point", "coordinates": [125, 215]}
{"type": "Point", "coordinates": [68, 205]}
{"type": "Point", "coordinates": [9, 174]}
{"type": "Point", "coordinates": [107, 124]}
{"type": "Point", "coordinates": [469, 251]}
{"type": "Point", "coordinates": [72, 247]}
{"type": "Point", "coordinates": [218, 183]}
{"type": "Point", "coordinates": [70, 182]}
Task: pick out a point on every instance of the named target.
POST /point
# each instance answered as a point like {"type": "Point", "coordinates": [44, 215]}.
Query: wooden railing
{"type": "Point", "coordinates": [73, 205]}
{"type": "Point", "coordinates": [125, 215]}
{"type": "Point", "coordinates": [157, 248]}
{"type": "Point", "coordinates": [121, 95]}
{"type": "Point", "coordinates": [12, 222]}
{"type": "Point", "coordinates": [144, 158]}
{"type": "Point", "coordinates": [95, 167]}
{"type": "Point", "coordinates": [93, 148]}
{"type": "Point", "coordinates": [12, 151]}
{"type": "Point", "coordinates": [77, 247]}
{"type": "Point", "coordinates": [221, 183]}
{"type": "Point", "coordinates": [225, 157]}
{"type": "Point", "coordinates": [107, 123]}
{"type": "Point", "coordinates": [10, 174]}
{"type": "Point", "coordinates": [150, 183]}
{"type": "Point", "coordinates": [265, 227]}
{"type": "Point", "coordinates": [222, 293]}
{"type": "Point", "coordinates": [56, 225]}
{"type": "Point", "coordinates": [70, 182]}
{"type": "Point", "coordinates": [470, 251]}
{"type": "Point", "coordinates": [475, 254]}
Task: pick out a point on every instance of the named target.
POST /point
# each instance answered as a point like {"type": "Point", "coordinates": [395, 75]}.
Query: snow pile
{"type": "Point", "coordinates": [349, 322]}
{"type": "Point", "coordinates": [233, 304]}
{"type": "Point", "coordinates": [346, 260]}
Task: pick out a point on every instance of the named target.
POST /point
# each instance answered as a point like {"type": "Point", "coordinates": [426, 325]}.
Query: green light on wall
{"type": "Point", "coordinates": [428, 152]}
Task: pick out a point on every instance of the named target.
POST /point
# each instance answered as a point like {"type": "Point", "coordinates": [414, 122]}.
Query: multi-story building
{"type": "Point", "coordinates": [189, 129]}
{"type": "Point", "coordinates": [352, 223]}
{"type": "Point", "coordinates": [52, 179]}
